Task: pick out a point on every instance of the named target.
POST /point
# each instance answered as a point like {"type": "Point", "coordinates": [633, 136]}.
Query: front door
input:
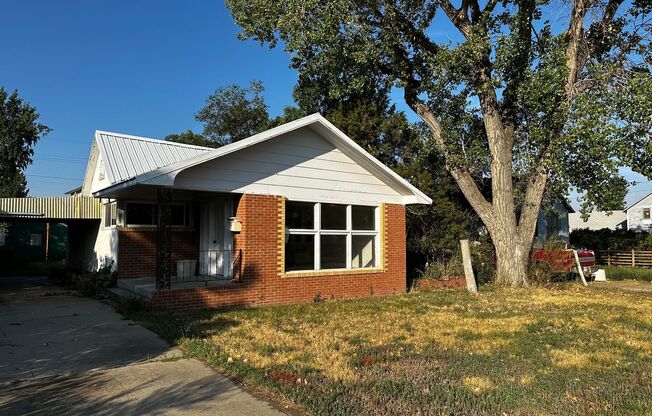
{"type": "Point", "coordinates": [213, 258]}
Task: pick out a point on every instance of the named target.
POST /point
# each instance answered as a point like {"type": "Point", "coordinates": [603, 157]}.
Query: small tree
{"type": "Point", "coordinates": [521, 100]}
{"type": "Point", "coordinates": [19, 132]}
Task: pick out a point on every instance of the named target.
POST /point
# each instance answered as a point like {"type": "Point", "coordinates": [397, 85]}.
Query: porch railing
{"type": "Point", "coordinates": [212, 265]}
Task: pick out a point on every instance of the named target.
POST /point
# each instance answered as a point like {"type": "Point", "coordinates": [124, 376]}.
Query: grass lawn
{"type": "Point", "coordinates": [628, 273]}
{"type": "Point", "coordinates": [507, 351]}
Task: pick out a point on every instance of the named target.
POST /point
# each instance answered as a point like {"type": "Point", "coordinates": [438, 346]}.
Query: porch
{"type": "Point", "coordinates": [170, 239]}
{"type": "Point", "coordinates": [145, 287]}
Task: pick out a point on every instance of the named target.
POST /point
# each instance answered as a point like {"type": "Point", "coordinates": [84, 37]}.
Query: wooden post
{"type": "Point", "coordinates": [471, 284]}
{"type": "Point", "coordinates": [633, 259]}
{"type": "Point", "coordinates": [579, 267]}
{"type": "Point", "coordinates": [609, 257]}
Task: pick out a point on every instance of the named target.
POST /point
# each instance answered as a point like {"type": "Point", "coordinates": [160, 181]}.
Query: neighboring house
{"type": "Point", "coordinates": [552, 224]}
{"type": "Point", "coordinates": [598, 220]}
{"type": "Point", "coordinates": [636, 218]}
{"type": "Point", "coordinates": [639, 216]}
{"type": "Point", "coordinates": [294, 214]}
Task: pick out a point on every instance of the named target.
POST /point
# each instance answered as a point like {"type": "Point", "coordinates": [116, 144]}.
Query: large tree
{"type": "Point", "coordinates": [19, 132]}
{"type": "Point", "coordinates": [234, 113]}
{"type": "Point", "coordinates": [190, 137]}
{"type": "Point", "coordinates": [524, 99]}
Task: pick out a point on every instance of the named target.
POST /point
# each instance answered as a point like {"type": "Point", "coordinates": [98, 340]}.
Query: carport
{"type": "Point", "coordinates": [81, 214]}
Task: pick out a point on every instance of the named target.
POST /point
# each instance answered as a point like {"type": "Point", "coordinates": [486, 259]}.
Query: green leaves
{"type": "Point", "coordinates": [19, 132]}
{"type": "Point", "coordinates": [234, 113]}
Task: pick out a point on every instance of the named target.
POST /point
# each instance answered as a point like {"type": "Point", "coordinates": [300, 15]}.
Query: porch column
{"type": "Point", "coordinates": [164, 237]}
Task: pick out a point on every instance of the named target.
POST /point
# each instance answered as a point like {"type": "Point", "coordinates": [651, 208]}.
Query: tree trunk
{"type": "Point", "coordinates": [512, 260]}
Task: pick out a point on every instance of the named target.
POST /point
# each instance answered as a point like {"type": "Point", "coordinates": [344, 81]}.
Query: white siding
{"type": "Point", "coordinates": [299, 165]}
{"type": "Point", "coordinates": [635, 220]}
{"type": "Point", "coordinates": [99, 179]}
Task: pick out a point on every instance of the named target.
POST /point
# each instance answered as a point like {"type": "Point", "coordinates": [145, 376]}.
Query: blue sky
{"type": "Point", "coordinates": [140, 67]}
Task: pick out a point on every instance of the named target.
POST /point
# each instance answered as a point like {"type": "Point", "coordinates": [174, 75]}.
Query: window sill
{"type": "Point", "coordinates": [332, 272]}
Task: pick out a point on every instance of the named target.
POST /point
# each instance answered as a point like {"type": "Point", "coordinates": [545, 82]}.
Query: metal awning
{"type": "Point", "coordinates": [51, 208]}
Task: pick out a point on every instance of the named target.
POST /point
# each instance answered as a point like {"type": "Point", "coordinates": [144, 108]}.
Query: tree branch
{"type": "Point", "coordinates": [462, 176]}
{"type": "Point", "coordinates": [489, 8]}
{"type": "Point", "coordinates": [457, 16]}
{"type": "Point", "coordinates": [532, 202]}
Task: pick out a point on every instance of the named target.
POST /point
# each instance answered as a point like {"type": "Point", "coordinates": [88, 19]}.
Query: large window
{"type": "Point", "coordinates": [322, 236]}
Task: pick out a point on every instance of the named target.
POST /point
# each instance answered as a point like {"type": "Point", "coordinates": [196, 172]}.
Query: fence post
{"type": "Point", "coordinates": [471, 284]}
{"type": "Point", "coordinates": [633, 258]}
{"type": "Point", "coordinates": [609, 257]}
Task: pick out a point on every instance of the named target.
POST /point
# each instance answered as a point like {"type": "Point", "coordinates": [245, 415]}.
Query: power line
{"type": "Point", "coordinates": [53, 177]}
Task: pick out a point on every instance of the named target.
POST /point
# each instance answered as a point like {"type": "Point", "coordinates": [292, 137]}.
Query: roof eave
{"type": "Point", "coordinates": [165, 176]}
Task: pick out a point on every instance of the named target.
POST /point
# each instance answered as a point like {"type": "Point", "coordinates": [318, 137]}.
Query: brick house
{"type": "Point", "coordinates": [293, 214]}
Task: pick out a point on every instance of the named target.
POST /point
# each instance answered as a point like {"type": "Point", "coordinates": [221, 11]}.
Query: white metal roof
{"type": "Point", "coordinates": [597, 220]}
{"type": "Point", "coordinates": [125, 156]}
{"type": "Point", "coordinates": [134, 172]}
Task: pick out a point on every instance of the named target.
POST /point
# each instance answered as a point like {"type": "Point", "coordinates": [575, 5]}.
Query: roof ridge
{"type": "Point", "coordinates": [149, 139]}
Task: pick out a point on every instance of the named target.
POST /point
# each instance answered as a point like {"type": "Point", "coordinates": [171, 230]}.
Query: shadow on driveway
{"type": "Point", "coordinates": [62, 354]}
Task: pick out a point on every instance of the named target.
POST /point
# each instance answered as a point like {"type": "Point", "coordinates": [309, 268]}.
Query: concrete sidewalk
{"type": "Point", "coordinates": [62, 354]}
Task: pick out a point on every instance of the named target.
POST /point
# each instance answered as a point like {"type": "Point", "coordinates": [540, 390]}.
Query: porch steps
{"type": "Point", "coordinates": [117, 293]}
{"type": "Point", "coordinates": [139, 287]}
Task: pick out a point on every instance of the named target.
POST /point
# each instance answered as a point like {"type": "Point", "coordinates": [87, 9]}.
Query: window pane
{"type": "Point", "coordinates": [141, 214]}
{"type": "Point", "coordinates": [333, 217]}
{"type": "Point", "coordinates": [333, 251]}
{"type": "Point", "coordinates": [300, 215]}
{"type": "Point", "coordinates": [107, 215]}
{"type": "Point", "coordinates": [646, 213]}
{"type": "Point", "coordinates": [300, 252]}
{"type": "Point", "coordinates": [178, 215]}
{"type": "Point", "coordinates": [363, 251]}
{"type": "Point", "coordinates": [363, 218]}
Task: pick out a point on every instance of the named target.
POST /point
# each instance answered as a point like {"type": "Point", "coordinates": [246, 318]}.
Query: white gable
{"type": "Point", "coordinates": [636, 220]}
{"type": "Point", "coordinates": [308, 157]}
{"type": "Point", "coordinates": [299, 165]}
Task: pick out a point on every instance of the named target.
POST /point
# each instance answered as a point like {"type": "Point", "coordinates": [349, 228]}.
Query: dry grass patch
{"type": "Point", "coordinates": [506, 351]}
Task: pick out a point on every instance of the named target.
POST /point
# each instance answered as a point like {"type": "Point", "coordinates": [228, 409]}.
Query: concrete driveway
{"type": "Point", "coordinates": [62, 354]}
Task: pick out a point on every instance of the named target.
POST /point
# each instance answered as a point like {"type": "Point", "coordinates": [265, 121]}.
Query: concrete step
{"type": "Point", "coordinates": [119, 294]}
{"type": "Point", "coordinates": [141, 287]}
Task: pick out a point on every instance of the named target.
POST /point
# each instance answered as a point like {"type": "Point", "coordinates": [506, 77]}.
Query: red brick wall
{"type": "Point", "coordinates": [137, 250]}
{"type": "Point", "coordinates": [262, 280]}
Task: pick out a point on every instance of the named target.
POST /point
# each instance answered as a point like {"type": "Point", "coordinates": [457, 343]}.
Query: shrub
{"type": "Point", "coordinates": [483, 260]}
{"type": "Point", "coordinates": [541, 274]}
{"type": "Point", "coordinates": [607, 239]}
{"type": "Point", "coordinates": [88, 283]}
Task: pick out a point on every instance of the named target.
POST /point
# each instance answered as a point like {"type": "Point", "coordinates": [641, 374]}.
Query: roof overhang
{"type": "Point", "coordinates": [165, 176]}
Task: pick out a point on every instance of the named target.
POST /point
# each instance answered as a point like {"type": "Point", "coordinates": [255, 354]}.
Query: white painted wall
{"type": "Point", "coordinates": [106, 248]}
{"type": "Point", "coordinates": [92, 245]}
{"type": "Point", "coordinates": [99, 179]}
{"type": "Point", "coordinates": [299, 165]}
{"type": "Point", "coordinates": [635, 220]}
